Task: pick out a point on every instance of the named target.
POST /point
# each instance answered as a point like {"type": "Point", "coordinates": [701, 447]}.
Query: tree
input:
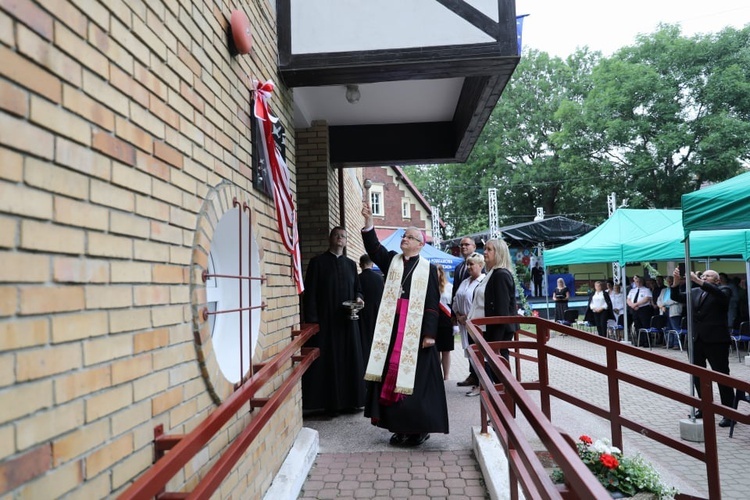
{"type": "Point", "coordinates": [654, 121]}
{"type": "Point", "coordinates": [669, 113]}
{"type": "Point", "coordinates": [520, 152]}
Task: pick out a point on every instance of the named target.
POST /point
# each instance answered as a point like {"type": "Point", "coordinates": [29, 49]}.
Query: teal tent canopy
{"type": "Point", "coordinates": [608, 242]}
{"type": "Point", "coordinates": [722, 206]}
{"type": "Point", "coordinates": [632, 235]}
{"type": "Point", "coordinates": [719, 207]}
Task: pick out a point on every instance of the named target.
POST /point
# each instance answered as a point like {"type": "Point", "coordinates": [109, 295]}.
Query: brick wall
{"type": "Point", "coordinates": [319, 196]}
{"type": "Point", "coordinates": [116, 119]}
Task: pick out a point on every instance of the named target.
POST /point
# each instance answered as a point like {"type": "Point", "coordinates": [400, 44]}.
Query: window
{"type": "Point", "coordinates": [376, 200]}
{"type": "Point", "coordinates": [405, 209]}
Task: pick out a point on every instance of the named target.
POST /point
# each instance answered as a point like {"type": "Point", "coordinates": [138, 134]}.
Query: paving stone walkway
{"type": "Point", "coordinates": [355, 460]}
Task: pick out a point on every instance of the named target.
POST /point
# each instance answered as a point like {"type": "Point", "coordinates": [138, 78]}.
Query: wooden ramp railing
{"type": "Point", "coordinates": [182, 448]}
{"type": "Point", "coordinates": [500, 403]}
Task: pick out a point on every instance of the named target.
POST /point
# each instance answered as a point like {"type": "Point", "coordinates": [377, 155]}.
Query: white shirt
{"type": "Point", "coordinates": [598, 302]}
{"type": "Point", "coordinates": [618, 302]}
{"type": "Point", "coordinates": [462, 303]}
{"type": "Point", "coordinates": [641, 292]}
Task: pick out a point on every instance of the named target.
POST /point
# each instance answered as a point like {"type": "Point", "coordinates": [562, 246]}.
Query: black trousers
{"type": "Point", "coordinates": [718, 357]}
{"type": "Point", "coordinates": [600, 320]}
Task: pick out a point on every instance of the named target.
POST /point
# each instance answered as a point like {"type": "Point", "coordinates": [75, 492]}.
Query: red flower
{"type": "Point", "coordinates": [609, 461]}
{"type": "Point", "coordinates": [586, 439]}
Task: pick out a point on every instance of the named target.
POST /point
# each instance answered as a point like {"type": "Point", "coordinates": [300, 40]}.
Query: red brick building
{"type": "Point", "coordinates": [396, 202]}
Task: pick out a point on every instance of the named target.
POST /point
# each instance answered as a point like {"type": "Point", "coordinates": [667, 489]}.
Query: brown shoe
{"type": "Point", "coordinates": [469, 382]}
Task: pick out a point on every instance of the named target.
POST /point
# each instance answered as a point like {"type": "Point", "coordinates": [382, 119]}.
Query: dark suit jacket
{"type": "Point", "coordinates": [709, 314]}
{"type": "Point", "coordinates": [500, 300]}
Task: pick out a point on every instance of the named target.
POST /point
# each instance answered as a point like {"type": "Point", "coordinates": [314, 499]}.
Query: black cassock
{"type": "Point", "coordinates": [334, 382]}
{"type": "Point", "coordinates": [426, 409]}
{"type": "Point", "coordinates": [372, 289]}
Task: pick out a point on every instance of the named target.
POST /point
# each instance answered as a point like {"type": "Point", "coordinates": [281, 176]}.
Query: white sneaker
{"type": "Point", "coordinates": [473, 392]}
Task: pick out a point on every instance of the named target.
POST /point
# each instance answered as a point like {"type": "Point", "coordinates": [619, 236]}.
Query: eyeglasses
{"type": "Point", "coordinates": [410, 237]}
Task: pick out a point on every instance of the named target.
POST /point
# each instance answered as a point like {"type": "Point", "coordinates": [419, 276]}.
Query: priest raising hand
{"type": "Point", "coordinates": [405, 391]}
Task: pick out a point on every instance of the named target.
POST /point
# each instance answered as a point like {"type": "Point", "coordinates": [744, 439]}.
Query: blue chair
{"type": "Point", "coordinates": [658, 323]}
{"type": "Point", "coordinates": [680, 334]}
{"type": "Point", "coordinates": [614, 330]}
{"type": "Point", "coordinates": [741, 335]}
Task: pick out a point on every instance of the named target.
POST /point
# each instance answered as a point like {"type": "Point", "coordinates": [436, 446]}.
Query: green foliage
{"type": "Point", "coordinates": [616, 472]}
{"type": "Point", "coordinates": [651, 122]}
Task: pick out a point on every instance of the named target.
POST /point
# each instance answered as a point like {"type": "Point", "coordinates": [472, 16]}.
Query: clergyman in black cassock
{"type": "Point", "coordinates": [372, 290]}
{"type": "Point", "coordinates": [334, 381]}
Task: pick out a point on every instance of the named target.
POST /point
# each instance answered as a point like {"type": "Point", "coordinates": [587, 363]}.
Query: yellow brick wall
{"type": "Point", "coordinates": [117, 118]}
{"type": "Point", "coordinates": [320, 206]}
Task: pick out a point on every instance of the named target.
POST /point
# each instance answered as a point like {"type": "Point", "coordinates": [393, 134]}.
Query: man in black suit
{"type": "Point", "coordinates": [711, 339]}
{"type": "Point", "coordinates": [537, 277]}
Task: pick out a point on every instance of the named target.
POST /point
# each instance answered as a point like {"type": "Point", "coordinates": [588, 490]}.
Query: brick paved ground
{"type": "Point", "coordinates": [396, 474]}
{"type": "Point", "coordinates": [355, 460]}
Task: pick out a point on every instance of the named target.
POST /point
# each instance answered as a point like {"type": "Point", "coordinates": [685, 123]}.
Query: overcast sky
{"type": "Point", "coordinates": [559, 26]}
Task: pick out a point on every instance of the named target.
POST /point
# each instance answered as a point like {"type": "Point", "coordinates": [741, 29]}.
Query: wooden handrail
{"type": "Point", "coordinates": [513, 394]}
{"type": "Point", "coordinates": [153, 481]}
{"type": "Point", "coordinates": [501, 405]}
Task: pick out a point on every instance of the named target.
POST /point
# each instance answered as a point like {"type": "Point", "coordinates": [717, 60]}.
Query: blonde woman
{"type": "Point", "coordinates": [496, 294]}
{"type": "Point", "coordinates": [560, 297]}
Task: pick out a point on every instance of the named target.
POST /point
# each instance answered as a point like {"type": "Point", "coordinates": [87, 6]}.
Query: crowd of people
{"type": "Point", "coordinates": [392, 359]}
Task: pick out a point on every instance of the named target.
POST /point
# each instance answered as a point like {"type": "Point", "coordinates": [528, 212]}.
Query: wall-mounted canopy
{"type": "Point", "coordinates": [428, 74]}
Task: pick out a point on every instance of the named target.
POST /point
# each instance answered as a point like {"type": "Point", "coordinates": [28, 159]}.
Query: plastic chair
{"type": "Point", "coordinates": [570, 316]}
{"type": "Point", "coordinates": [585, 325]}
{"type": "Point", "coordinates": [742, 335]}
{"type": "Point", "coordinates": [656, 327]}
{"type": "Point", "coordinates": [680, 334]}
{"type": "Point", "coordinates": [614, 329]}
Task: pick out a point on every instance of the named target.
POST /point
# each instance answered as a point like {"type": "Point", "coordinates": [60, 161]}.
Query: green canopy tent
{"type": "Point", "coordinates": [633, 235]}
{"type": "Point", "coordinates": [610, 240]}
{"type": "Point", "coordinates": [722, 206]}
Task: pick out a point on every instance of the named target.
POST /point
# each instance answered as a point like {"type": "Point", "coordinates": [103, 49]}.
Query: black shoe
{"type": "Point", "coordinates": [470, 381]}
{"type": "Point", "coordinates": [725, 422]}
{"type": "Point", "coordinates": [698, 414]}
{"type": "Point", "coordinates": [398, 439]}
{"type": "Point", "coordinates": [416, 439]}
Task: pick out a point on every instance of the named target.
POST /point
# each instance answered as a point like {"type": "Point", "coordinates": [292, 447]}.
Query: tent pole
{"type": "Point", "coordinates": [689, 305]}
{"type": "Point", "coordinates": [623, 289]}
{"type": "Point", "coordinates": [747, 280]}
{"type": "Point", "coordinates": [545, 284]}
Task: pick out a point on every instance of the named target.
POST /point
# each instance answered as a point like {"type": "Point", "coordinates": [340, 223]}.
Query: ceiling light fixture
{"type": "Point", "coordinates": [352, 94]}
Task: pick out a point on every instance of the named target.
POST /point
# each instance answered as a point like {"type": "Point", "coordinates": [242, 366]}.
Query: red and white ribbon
{"type": "Point", "coordinates": [286, 214]}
